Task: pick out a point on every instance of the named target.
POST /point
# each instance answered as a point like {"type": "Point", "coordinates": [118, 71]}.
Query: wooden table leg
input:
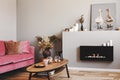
{"type": "Point", "coordinates": [48, 75]}
{"type": "Point", "coordinates": [30, 75]}
{"type": "Point", "coordinates": [67, 71]}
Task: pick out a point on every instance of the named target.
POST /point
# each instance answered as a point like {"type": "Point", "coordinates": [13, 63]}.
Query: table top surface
{"type": "Point", "coordinates": [49, 67]}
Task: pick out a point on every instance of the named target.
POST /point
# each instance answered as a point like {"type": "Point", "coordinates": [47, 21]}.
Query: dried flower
{"type": "Point", "coordinates": [46, 42]}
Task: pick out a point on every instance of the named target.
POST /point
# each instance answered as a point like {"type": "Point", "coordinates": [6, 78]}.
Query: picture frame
{"type": "Point", "coordinates": [103, 16]}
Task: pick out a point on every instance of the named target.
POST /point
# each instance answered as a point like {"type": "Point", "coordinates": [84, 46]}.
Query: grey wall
{"type": "Point", "coordinates": [8, 20]}
{"type": "Point", "coordinates": [73, 40]}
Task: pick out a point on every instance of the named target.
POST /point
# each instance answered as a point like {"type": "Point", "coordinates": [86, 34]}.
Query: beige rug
{"type": "Point", "coordinates": [88, 75]}
{"type": "Point", "coordinates": [83, 78]}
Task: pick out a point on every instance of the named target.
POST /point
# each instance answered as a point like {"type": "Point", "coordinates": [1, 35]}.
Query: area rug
{"type": "Point", "coordinates": [88, 75]}
{"type": "Point", "coordinates": [83, 78]}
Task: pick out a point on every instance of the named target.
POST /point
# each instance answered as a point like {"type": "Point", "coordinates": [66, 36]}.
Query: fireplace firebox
{"type": "Point", "coordinates": [96, 53]}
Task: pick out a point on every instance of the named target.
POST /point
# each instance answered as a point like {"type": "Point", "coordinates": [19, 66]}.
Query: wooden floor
{"type": "Point", "coordinates": [21, 74]}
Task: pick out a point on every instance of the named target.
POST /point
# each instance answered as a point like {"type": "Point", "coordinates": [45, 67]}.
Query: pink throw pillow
{"type": "Point", "coordinates": [2, 48]}
{"type": "Point", "coordinates": [24, 46]}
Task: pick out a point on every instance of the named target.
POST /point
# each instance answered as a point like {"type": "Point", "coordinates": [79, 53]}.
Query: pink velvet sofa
{"type": "Point", "coordinates": [9, 62]}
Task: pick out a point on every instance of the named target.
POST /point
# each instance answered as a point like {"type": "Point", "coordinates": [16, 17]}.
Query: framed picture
{"type": "Point", "coordinates": [103, 16]}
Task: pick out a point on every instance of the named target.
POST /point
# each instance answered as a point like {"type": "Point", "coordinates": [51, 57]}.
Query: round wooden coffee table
{"type": "Point", "coordinates": [50, 67]}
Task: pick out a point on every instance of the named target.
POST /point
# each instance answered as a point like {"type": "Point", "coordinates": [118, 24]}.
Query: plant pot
{"type": "Point", "coordinates": [46, 53]}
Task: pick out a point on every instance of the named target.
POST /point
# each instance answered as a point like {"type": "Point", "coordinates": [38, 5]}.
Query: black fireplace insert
{"type": "Point", "coordinates": [96, 53]}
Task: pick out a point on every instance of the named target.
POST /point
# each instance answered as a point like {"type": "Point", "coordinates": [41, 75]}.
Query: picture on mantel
{"type": "Point", "coordinates": [103, 16]}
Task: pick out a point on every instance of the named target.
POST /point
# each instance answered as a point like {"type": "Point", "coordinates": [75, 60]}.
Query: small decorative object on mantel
{"type": "Point", "coordinates": [73, 28]}
{"type": "Point", "coordinates": [109, 43]}
{"type": "Point", "coordinates": [66, 30]}
{"type": "Point", "coordinates": [45, 44]}
{"type": "Point", "coordinates": [82, 21]}
{"type": "Point", "coordinates": [118, 29]}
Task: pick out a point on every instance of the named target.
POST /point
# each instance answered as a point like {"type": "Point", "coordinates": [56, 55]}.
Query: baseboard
{"type": "Point", "coordinates": [93, 69]}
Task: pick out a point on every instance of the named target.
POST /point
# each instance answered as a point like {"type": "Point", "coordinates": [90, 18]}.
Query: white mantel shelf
{"type": "Point", "coordinates": [73, 40]}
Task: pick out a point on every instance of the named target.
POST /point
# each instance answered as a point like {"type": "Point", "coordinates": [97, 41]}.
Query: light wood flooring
{"type": "Point", "coordinates": [21, 74]}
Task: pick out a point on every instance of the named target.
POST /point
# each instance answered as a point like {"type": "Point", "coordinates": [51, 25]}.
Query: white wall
{"type": "Point", "coordinates": [43, 17]}
{"type": "Point", "coordinates": [48, 17]}
{"type": "Point", "coordinates": [8, 20]}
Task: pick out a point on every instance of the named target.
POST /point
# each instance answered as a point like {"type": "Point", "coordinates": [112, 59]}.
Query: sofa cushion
{"type": "Point", "coordinates": [22, 57]}
{"type": "Point", "coordinates": [12, 47]}
{"type": "Point", "coordinates": [15, 47]}
{"type": "Point", "coordinates": [2, 48]}
{"type": "Point", "coordinates": [7, 59]}
{"type": "Point", "coordinates": [24, 46]}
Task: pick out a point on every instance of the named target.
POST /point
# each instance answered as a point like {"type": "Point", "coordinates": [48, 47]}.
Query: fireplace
{"type": "Point", "coordinates": [96, 53]}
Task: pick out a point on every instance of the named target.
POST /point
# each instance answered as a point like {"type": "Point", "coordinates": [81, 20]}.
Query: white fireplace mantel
{"type": "Point", "coordinates": [73, 40]}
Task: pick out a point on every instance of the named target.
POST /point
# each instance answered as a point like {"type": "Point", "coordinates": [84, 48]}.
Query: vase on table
{"type": "Point", "coordinates": [46, 53]}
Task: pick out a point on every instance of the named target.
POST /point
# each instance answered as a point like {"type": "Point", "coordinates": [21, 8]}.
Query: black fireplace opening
{"type": "Point", "coordinates": [96, 53]}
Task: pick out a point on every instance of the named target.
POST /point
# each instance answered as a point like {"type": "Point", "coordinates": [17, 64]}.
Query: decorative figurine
{"type": "Point", "coordinates": [99, 20]}
{"type": "Point", "coordinates": [66, 29]}
{"type": "Point", "coordinates": [109, 19]}
{"type": "Point", "coordinates": [82, 21]}
{"type": "Point", "coordinates": [75, 27]}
